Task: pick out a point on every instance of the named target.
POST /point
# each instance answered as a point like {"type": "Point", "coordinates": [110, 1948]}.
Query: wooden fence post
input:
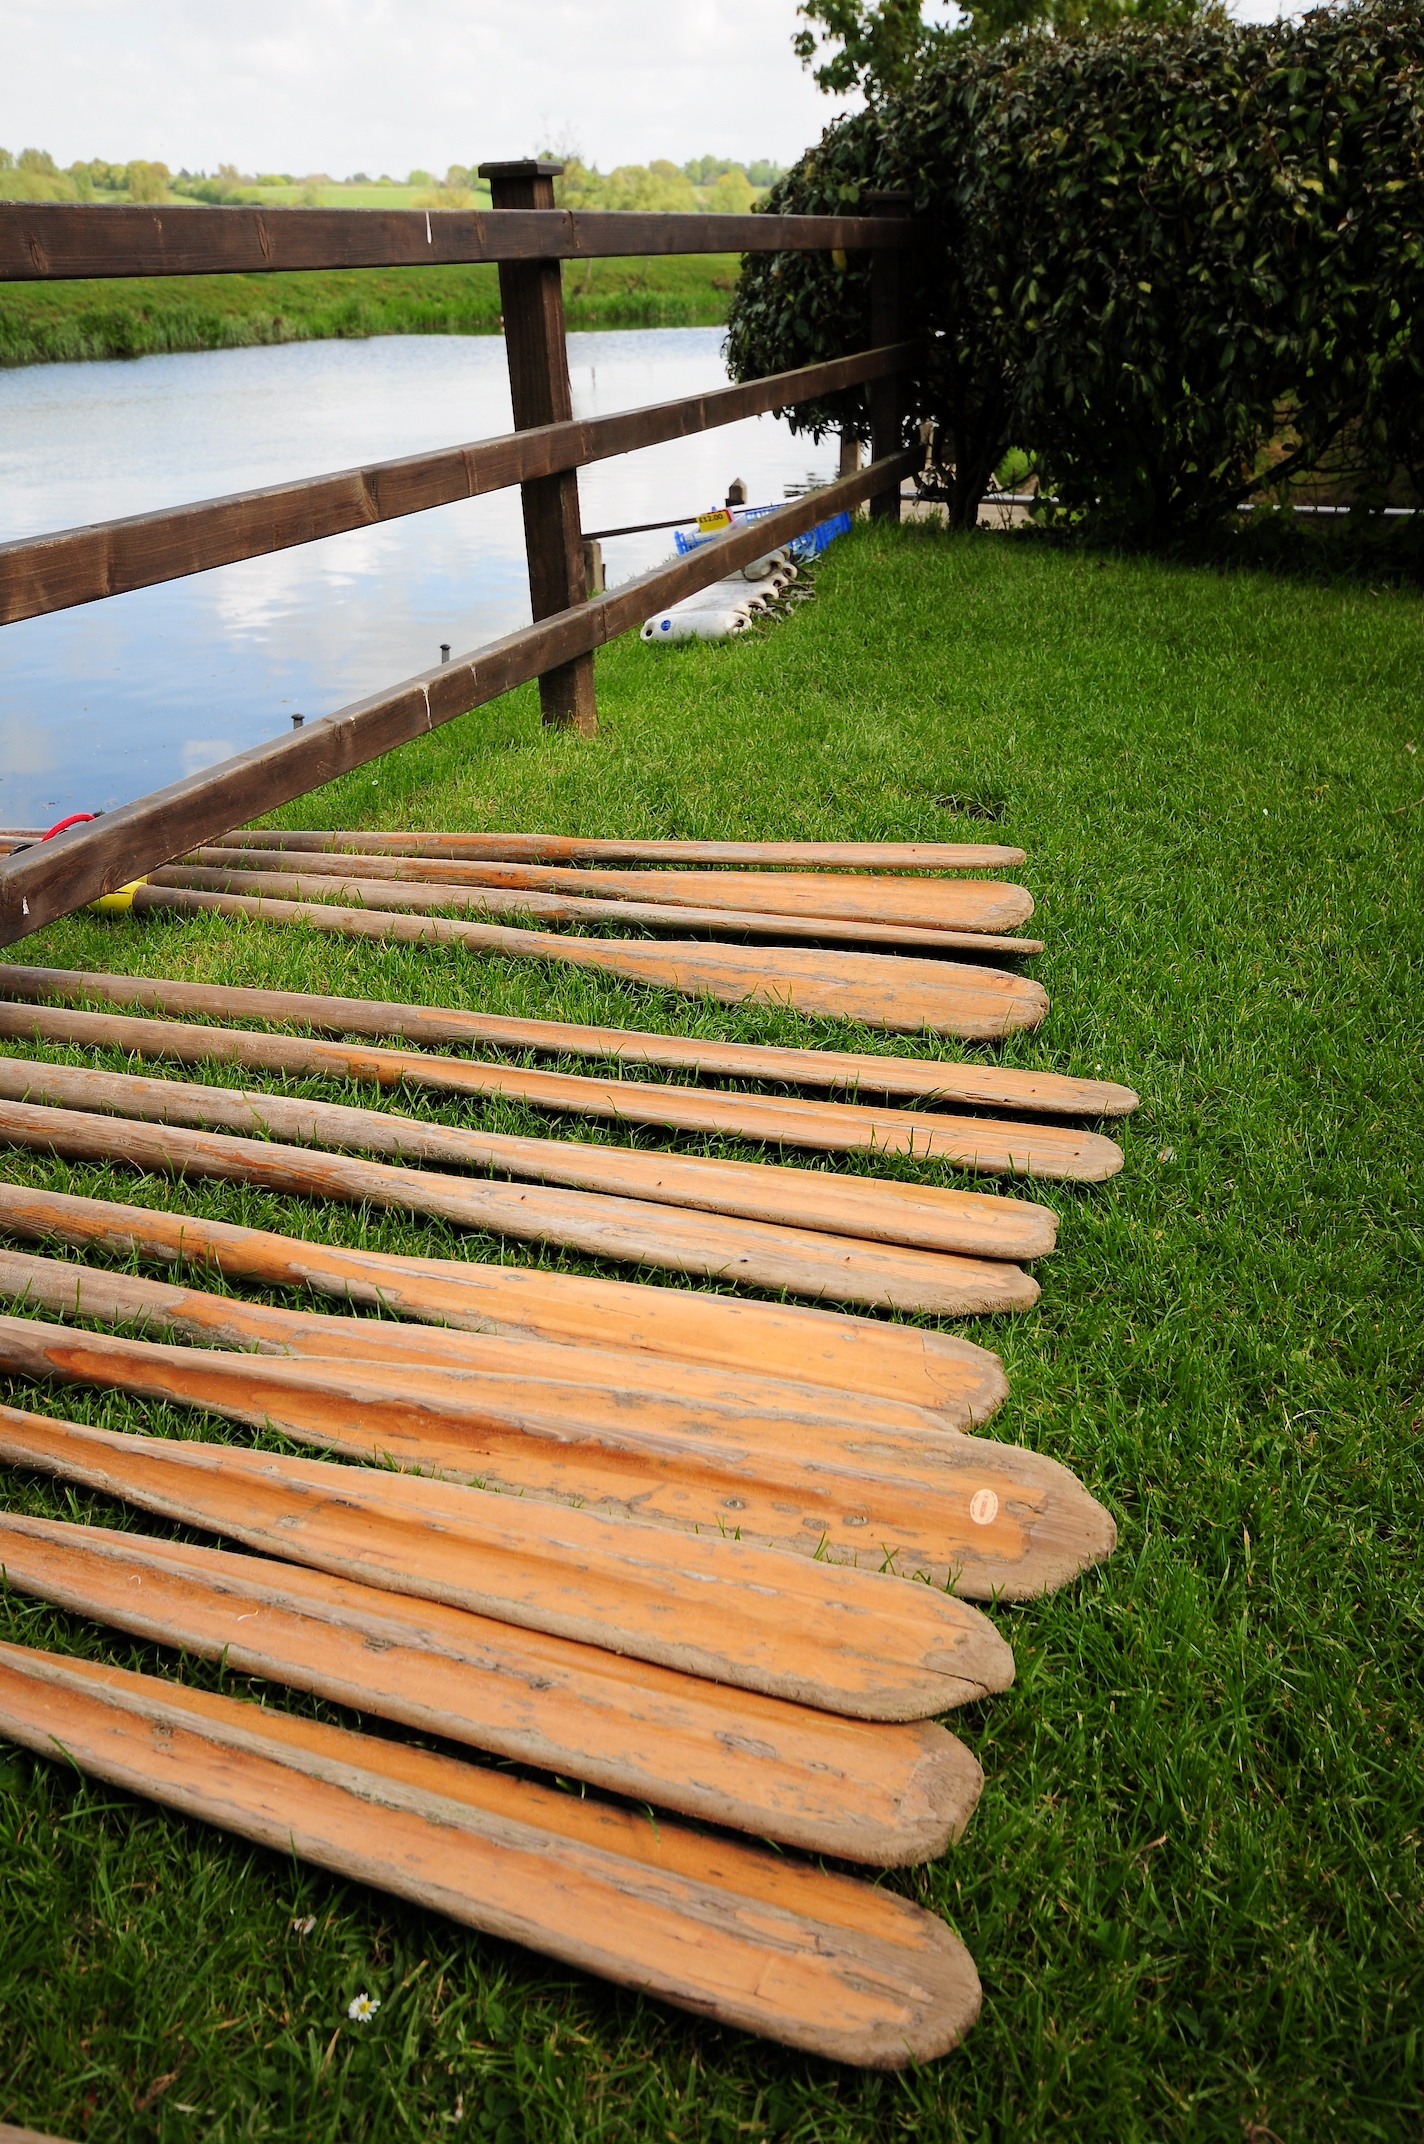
{"type": "Point", "coordinates": [887, 309]}
{"type": "Point", "coordinates": [532, 299]}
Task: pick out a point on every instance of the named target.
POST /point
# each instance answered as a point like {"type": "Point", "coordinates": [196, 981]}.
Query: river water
{"type": "Point", "coordinates": [105, 702]}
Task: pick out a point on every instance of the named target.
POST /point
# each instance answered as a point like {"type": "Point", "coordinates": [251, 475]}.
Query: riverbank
{"type": "Point", "coordinates": [62, 323]}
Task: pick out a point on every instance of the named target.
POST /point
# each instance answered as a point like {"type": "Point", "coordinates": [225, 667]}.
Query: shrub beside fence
{"type": "Point", "coordinates": [1170, 264]}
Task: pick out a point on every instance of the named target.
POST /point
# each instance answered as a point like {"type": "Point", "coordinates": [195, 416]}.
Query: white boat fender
{"type": "Point", "coordinates": [671, 625]}
{"type": "Point", "coordinates": [723, 595]}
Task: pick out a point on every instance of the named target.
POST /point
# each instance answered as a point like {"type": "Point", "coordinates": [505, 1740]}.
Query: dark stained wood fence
{"type": "Point", "coordinates": [528, 237]}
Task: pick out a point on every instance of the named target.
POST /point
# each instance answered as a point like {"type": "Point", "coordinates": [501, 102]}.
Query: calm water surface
{"type": "Point", "coordinates": [100, 704]}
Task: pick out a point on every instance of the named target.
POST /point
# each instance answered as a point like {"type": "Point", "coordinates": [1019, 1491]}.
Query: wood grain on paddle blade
{"type": "Point", "coordinates": [986, 1518]}
{"type": "Point", "coordinates": [835, 1268]}
{"type": "Point", "coordinates": [879, 990]}
{"type": "Point", "coordinates": [983, 1085]}
{"type": "Point", "coordinates": [796, 1955]}
{"type": "Point", "coordinates": [558, 908]}
{"type": "Point", "coordinates": [1043, 1150]}
{"type": "Point", "coordinates": [939, 904]}
{"type": "Point", "coordinates": [845, 1641]}
{"type": "Point", "coordinates": [72, 1291]}
{"type": "Point", "coordinates": [880, 1793]}
{"type": "Point", "coordinates": [958, 1382]}
{"type": "Point", "coordinates": [928, 1216]}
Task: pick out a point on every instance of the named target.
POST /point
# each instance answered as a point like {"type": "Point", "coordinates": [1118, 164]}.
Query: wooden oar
{"type": "Point", "coordinates": [818, 1634]}
{"type": "Point", "coordinates": [878, 989]}
{"type": "Point", "coordinates": [980, 1225]}
{"type": "Point", "coordinates": [832, 1268]}
{"type": "Point", "coordinates": [985, 1085]}
{"type": "Point", "coordinates": [954, 907]}
{"type": "Point", "coordinates": [70, 1291]}
{"type": "Point", "coordinates": [368, 891]}
{"type": "Point", "coordinates": [986, 1518]}
{"type": "Point", "coordinates": [955, 1382]}
{"type": "Point", "coordinates": [574, 849]}
{"type": "Point", "coordinates": [881, 1793]}
{"type": "Point", "coordinates": [820, 1962]}
{"type": "Point", "coordinates": [978, 1143]}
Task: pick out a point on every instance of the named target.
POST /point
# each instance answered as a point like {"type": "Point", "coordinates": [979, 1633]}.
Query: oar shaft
{"type": "Point", "coordinates": [879, 990]}
{"type": "Point", "coordinates": [844, 1640]}
{"type": "Point", "coordinates": [934, 1218]}
{"type": "Point", "coordinates": [960, 1384]}
{"type": "Point", "coordinates": [882, 1793]}
{"type": "Point", "coordinates": [696, 1924]}
{"type": "Point", "coordinates": [1033, 1150]}
{"type": "Point", "coordinates": [984, 1085]}
{"type": "Point", "coordinates": [557, 908]}
{"type": "Point", "coordinates": [838, 1268]}
{"type": "Point", "coordinates": [990, 1519]}
{"type": "Point", "coordinates": [962, 906]}
{"type": "Point", "coordinates": [562, 848]}
{"type": "Point", "coordinates": [68, 1290]}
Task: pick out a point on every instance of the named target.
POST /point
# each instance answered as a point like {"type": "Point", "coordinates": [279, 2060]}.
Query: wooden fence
{"type": "Point", "coordinates": [529, 238]}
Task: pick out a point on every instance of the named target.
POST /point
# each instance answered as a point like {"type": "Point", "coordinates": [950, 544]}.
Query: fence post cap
{"type": "Point", "coordinates": [522, 167]}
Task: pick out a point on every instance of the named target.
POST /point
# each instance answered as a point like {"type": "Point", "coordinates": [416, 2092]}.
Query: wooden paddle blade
{"type": "Point", "coordinates": [834, 1268]}
{"type": "Point", "coordinates": [71, 1291]}
{"type": "Point", "coordinates": [422, 898]}
{"type": "Point", "coordinates": [927, 1216]}
{"type": "Point", "coordinates": [983, 1085]}
{"type": "Point", "coordinates": [809, 1966]}
{"type": "Point", "coordinates": [845, 1641]}
{"type": "Point", "coordinates": [879, 990]}
{"type": "Point", "coordinates": [560, 848]}
{"type": "Point", "coordinates": [989, 1520]}
{"type": "Point", "coordinates": [958, 1383]}
{"type": "Point", "coordinates": [954, 907]}
{"type": "Point", "coordinates": [883, 1794]}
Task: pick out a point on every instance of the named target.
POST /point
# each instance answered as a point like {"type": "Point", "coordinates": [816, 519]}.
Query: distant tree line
{"type": "Point", "coordinates": [705, 182]}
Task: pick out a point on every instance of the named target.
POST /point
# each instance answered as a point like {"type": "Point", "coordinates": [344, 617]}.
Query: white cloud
{"type": "Point", "coordinates": [389, 85]}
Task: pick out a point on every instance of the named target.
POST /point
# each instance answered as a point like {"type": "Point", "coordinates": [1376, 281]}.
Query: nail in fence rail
{"type": "Point", "coordinates": [528, 237]}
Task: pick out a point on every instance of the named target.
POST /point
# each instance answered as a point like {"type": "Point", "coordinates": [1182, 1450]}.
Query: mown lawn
{"type": "Point", "coordinates": [1192, 1886]}
{"type": "Point", "coordinates": [53, 323]}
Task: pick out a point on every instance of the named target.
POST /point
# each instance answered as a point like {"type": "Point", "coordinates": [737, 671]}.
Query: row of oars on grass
{"type": "Point", "coordinates": [805, 929]}
{"type": "Point", "coordinates": [682, 1590]}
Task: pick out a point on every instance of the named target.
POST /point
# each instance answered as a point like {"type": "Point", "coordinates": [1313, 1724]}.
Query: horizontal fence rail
{"type": "Point", "coordinates": [58, 240]}
{"type": "Point", "coordinates": [53, 572]}
{"type": "Point", "coordinates": [49, 880]}
{"type": "Point", "coordinates": [528, 237]}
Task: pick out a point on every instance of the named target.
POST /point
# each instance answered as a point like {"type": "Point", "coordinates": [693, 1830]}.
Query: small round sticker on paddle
{"type": "Point", "coordinates": [983, 1507]}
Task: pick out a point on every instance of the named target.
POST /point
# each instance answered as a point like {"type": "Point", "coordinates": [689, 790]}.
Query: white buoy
{"type": "Point", "coordinates": [679, 624]}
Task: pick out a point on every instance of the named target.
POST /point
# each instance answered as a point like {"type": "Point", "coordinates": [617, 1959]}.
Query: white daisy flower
{"type": "Point", "coordinates": [363, 2007]}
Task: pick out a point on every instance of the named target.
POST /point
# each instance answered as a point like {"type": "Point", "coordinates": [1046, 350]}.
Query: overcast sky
{"type": "Point", "coordinates": [388, 85]}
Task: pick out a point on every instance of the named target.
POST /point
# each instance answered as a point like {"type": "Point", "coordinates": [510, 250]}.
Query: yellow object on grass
{"type": "Point", "coordinates": [119, 902]}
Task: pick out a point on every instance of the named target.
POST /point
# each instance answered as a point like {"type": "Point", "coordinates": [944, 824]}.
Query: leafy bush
{"type": "Point", "coordinates": [1172, 264]}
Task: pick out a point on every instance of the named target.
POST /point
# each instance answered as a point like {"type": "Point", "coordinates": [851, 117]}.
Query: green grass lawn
{"type": "Point", "coordinates": [45, 323]}
{"type": "Point", "coordinates": [1192, 1887]}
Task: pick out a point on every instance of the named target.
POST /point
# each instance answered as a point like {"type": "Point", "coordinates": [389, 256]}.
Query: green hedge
{"type": "Point", "coordinates": [1166, 263]}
